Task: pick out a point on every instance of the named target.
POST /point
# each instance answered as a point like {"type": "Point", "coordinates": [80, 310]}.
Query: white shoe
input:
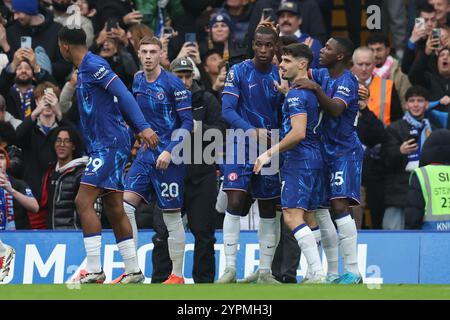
{"type": "Point", "coordinates": [136, 277]}
{"type": "Point", "coordinates": [85, 277]}
{"type": "Point", "coordinates": [251, 278]}
{"type": "Point", "coordinates": [315, 278]}
{"type": "Point", "coordinates": [267, 278]}
{"type": "Point", "coordinates": [228, 276]}
{"type": "Point", "coordinates": [5, 262]}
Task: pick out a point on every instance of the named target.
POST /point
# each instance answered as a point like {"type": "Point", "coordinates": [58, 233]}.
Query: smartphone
{"type": "Point", "coordinates": [420, 23]}
{"type": "Point", "coordinates": [413, 136]}
{"type": "Point", "coordinates": [111, 23]}
{"type": "Point", "coordinates": [48, 90]}
{"type": "Point", "coordinates": [267, 13]}
{"type": "Point", "coordinates": [190, 37]}
{"type": "Point", "coordinates": [167, 31]}
{"type": "Point", "coordinates": [435, 33]}
{"type": "Point", "coordinates": [25, 42]}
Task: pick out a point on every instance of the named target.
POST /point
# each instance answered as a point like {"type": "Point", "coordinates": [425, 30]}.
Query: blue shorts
{"type": "Point", "coordinates": [301, 188]}
{"type": "Point", "coordinates": [343, 181]}
{"type": "Point", "coordinates": [105, 169]}
{"type": "Point", "coordinates": [168, 184]}
{"type": "Point", "coordinates": [241, 177]}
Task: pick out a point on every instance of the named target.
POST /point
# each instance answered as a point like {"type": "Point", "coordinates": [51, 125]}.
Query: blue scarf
{"type": "Point", "coordinates": [421, 128]}
{"type": "Point", "coordinates": [25, 102]}
{"type": "Point", "coordinates": [6, 211]}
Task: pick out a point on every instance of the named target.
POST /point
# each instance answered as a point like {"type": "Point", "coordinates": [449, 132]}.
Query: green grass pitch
{"type": "Point", "coordinates": [225, 292]}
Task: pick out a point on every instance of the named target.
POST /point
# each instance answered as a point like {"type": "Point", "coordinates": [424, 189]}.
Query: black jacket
{"type": "Point", "coordinates": [372, 134]}
{"type": "Point", "coordinates": [20, 214]}
{"type": "Point", "coordinates": [396, 178]}
{"type": "Point", "coordinates": [62, 190]}
{"type": "Point", "coordinates": [207, 109]}
{"type": "Point", "coordinates": [37, 152]}
{"type": "Point", "coordinates": [44, 35]}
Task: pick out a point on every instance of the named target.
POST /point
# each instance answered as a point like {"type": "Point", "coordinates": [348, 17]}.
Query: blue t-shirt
{"type": "Point", "coordinates": [259, 101]}
{"type": "Point", "coordinates": [161, 102]}
{"type": "Point", "coordinates": [307, 153]}
{"type": "Point", "coordinates": [101, 121]}
{"type": "Point", "coordinates": [340, 140]}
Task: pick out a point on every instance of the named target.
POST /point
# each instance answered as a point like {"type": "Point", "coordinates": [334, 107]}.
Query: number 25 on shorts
{"type": "Point", "coordinates": [337, 178]}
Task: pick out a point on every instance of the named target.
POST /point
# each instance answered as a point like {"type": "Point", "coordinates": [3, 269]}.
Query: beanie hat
{"type": "Point", "coordinates": [221, 17]}
{"type": "Point", "coordinates": [29, 7]}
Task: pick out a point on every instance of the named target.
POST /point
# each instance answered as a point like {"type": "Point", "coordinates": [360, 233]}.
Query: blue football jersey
{"type": "Point", "coordinates": [307, 153]}
{"type": "Point", "coordinates": [259, 100]}
{"type": "Point", "coordinates": [160, 102]}
{"type": "Point", "coordinates": [340, 139]}
{"type": "Point", "coordinates": [101, 121]}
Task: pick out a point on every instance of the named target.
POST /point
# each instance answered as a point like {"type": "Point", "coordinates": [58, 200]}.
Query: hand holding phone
{"type": "Point", "coordinates": [267, 13]}
{"type": "Point", "coordinates": [190, 37]}
{"type": "Point", "coordinates": [25, 42]}
{"type": "Point", "coordinates": [111, 23]}
{"type": "Point", "coordinates": [420, 23]}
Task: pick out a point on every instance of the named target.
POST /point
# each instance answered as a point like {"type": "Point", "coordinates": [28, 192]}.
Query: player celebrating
{"type": "Point", "coordinates": [166, 104]}
{"type": "Point", "coordinates": [337, 92]}
{"type": "Point", "coordinates": [251, 102]}
{"type": "Point", "coordinates": [102, 100]}
{"type": "Point", "coordinates": [301, 176]}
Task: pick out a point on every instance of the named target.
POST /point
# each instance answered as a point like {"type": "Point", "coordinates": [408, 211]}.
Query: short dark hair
{"type": "Point", "coordinates": [299, 50]}
{"type": "Point", "coordinates": [346, 45]}
{"type": "Point", "coordinates": [426, 7]}
{"type": "Point", "coordinates": [73, 36]}
{"type": "Point", "coordinates": [416, 91]}
{"type": "Point", "coordinates": [378, 37]}
{"type": "Point", "coordinates": [74, 137]}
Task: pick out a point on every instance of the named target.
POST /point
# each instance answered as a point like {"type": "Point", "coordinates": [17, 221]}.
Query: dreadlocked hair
{"type": "Point", "coordinates": [268, 28]}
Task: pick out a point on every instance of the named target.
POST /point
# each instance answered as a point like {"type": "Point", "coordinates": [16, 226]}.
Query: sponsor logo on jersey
{"type": "Point", "coordinates": [100, 73]}
{"type": "Point", "coordinates": [343, 90]}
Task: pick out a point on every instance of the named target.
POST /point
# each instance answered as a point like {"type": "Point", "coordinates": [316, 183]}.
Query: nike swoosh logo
{"type": "Point", "coordinates": [271, 247]}
{"type": "Point", "coordinates": [231, 244]}
{"type": "Point", "coordinates": [252, 85]}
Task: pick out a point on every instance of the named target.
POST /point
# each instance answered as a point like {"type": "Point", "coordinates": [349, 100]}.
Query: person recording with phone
{"type": "Point", "coordinates": [425, 22]}
{"type": "Point", "coordinates": [38, 24]}
{"type": "Point", "coordinates": [17, 82]}
{"type": "Point", "coordinates": [401, 153]}
{"type": "Point", "coordinates": [34, 136]}
{"type": "Point", "coordinates": [111, 44]}
{"type": "Point", "coordinates": [431, 69]}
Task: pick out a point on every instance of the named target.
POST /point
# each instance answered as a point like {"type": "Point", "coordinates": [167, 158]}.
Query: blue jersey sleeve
{"type": "Point", "coordinates": [296, 103]}
{"type": "Point", "coordinates": [232, 82]}
{"type": "Point", "coordinates": [101, 73]}
{"type": "Point", "coordinates": [317, 75]}
{"type": "Point", "coordinates": [128, 106]}
{"type": "Point", "coordinates": [346, 89]}
{"type": "Point", "coordinates": [230, 100]}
